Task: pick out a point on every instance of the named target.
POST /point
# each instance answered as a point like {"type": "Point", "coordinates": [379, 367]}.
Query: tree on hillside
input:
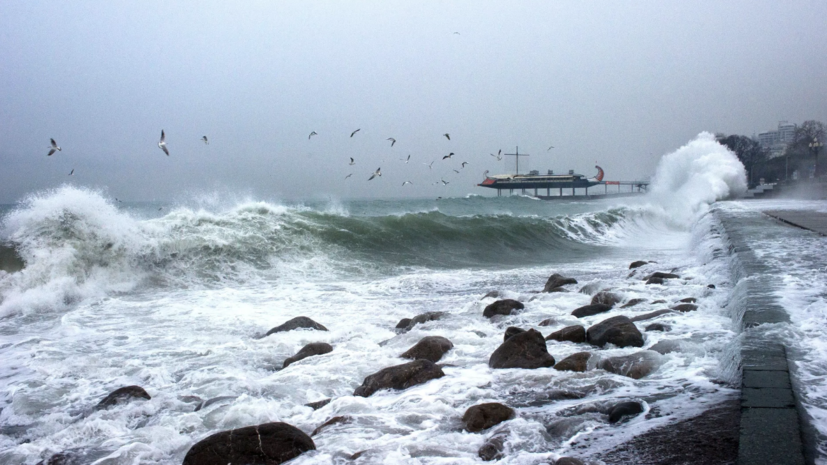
{"type": "Point", "coordinates": [809, 132]}
{"type": "Point", "coordinates": [747, 150]}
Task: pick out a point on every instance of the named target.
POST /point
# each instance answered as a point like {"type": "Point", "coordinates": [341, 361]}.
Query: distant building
{"type": "Point", "coordinates": [775, 142]}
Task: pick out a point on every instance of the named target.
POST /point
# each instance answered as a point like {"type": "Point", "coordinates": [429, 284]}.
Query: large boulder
{"type": "Point", "coordinates": [524, 350]}
{"type": "Point", "coordinates": [574, 333]}
{"type": "Point", "coordinates": [635, 366]}
{"type": "Point", "coordinates": [637, 264]}
{"type": "Point", "coordinates": [591, 289]}
{"type": "Point", "coordinates": [569, 461]}
{"type": "Point", "coordinates": [667, 346]}
{"type": "Point", "coordinates": [607, 298]}
{"type": "Point", "coordinates": [650, 315]}
{"type": "Point", "coordinates": [658, 327]}
{"type": "Point", "coordinates": [574, 362]}
{"type": "Point", "coordinates": [618, 330]}
{"type": "Point", "coordinates": [300, 322]}
{"type": "Point", "coordinates": [689, 300]}
{"type": "Point", "coordinates": [589, 310]}
{"type": "Point", "coordinates": [502, 307]}
{"type": "Point", "coordinates": [429, 348]}
{"type": "Point", "coordinates": [318, 404]}
{"type": "Point", "coordinates": [419, 319]}
{"type": "Point", "coordinates": [556, 280]}
{"type": "Point", "coordinates": [483, 416]}
{"type": "Point", "coordinates": [403, 323]}
{"type": "Point", "coordinates": [267, 444]}
{"type": "Point", "coordinates": [314, 348]}
{"type": "Point", "coordinates": [399, 377]}
{"type": "Point", "coordinates": [618, 411]}
{"type": "Point", "coordinates": [122, 396]}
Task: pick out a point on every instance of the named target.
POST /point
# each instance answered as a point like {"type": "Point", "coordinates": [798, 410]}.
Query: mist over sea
{"type": "Point", "coordinates": [175, 298]}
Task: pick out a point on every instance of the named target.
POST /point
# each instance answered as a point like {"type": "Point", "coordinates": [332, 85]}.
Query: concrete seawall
{"type": "Point", "coordinates": [774, 427]}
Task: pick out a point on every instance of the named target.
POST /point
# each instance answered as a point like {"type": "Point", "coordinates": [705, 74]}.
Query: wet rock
{"type": "Point", "coordinates": [574, 362]}
{"type": "Point", "coordinates": [213, 401]}
{"type": "Point", "coordinates": [399, 377]}
{"type": "Point", "coordinates": [270, 443]}
{"type": "Point", "coordinates": [661, 301]}
{"type": "Point", "coordinates": [422, 318]}
{"type": "Point", "coordinates": [569, 461]}
{"type": "Point", "coordinates": [524, 350]}
{"type": "Point", "coordinates": [685, 308]}
{"type": "Point", "coordinates": [589, 310]}
{"type": "Point", "coordinates": [634, 366]}
{"type": "Point", "coordinates": [483, 416]}
{"type": "Point", "coordinates": [557, 280]}
{"type": "Point", "coordinates": [10, 261]}
{"type": "Point", "coordinates": [494, 447]}
{"type": "Point", "coordinates": [658, 327]}
{"type": "Point", "coordinates": [122, 396]}
{"type": "Point", "coordinates": [314, 348]}
{"type": "Point", "coordinates": [494, 294]}
{"type": "Point", "coordinates": [429, 348]}
{"type": "Point", "coordinates": [667, 346]}
{"type": "Point", "coordinates": [650, 315]}
{"type": "Point", "coordinates": [502, 307]}
{"type": "Point", "coordinates": [512, 331]}
{"type": "Point", "coordinates": [655, 281]}
{"type": "Point", "coordinates": [62, 458]}
{"type": "Point", "coordinates": [637, 264]}
{"type": "Point", "coordinates": [300, 322]}
{"type": "Point", "coordinates": [710, 286]}
{"type": "Point", "coordinates": [403, 323]}
{"type": "Point", "coordinates": [623, 409]}
{"type": "Point", "coordinates": [548, 322]}
{"type": "Point", "coordinates": [632, 303]}
{"type": "Point", "coordinates": [318, 404]}
{"type": "Point", "coordinates": [689, 300]}
{"type": "Point", "coordinates": [618, 330]}
{"type": "Point", "coordinates": [576, 334]}
{"type": "Point", "coordinates": [591, 289]}
{"type": "Point", "coordinates": [556, 289]}
{"type": "Point", "coordinates": [341, 419]}
{"type": "Point", "coordinates": [606, 298]}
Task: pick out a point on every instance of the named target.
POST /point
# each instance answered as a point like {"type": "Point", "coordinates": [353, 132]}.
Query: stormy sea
{"type": "Point", "coordinates": [178, 298]}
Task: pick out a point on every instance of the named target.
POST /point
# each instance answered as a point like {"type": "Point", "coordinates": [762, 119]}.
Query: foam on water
{"type": "Point", "coordinates": [177, 304]}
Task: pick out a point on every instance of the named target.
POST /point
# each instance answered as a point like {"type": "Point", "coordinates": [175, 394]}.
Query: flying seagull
{"type": "Point", "coordinates": [406, 182]}
{"type": "Point", "coordinates": [351, 174]}
{"type": "Point", "coordinates": [72, 172]}
{"type": "Point", "coordinates": [351, 161]}
{"type": "Point", "coordinates": [448, 156]}
{"type": "Point", "coordinates": [162, 144]}
{"type": "Point", "coordinates": [354, 132]}
{"type": "Point", "coordinates": [393, 141]}
{"type": "Point", "coordinates": [448, 136]}
{"type": "Point", "coordinates": [455, 171]}
{"type": "Point", "coordinates": [457, 33]}
{"type": "Point", "coordinates": [407, 159]}
{"type": "Point", "coordinates": [549, 148]}
{"type": "Point", "coordinates": [464, 163]}
{"type": "Point", "coordinates": [444, 182]}
{"type": "Point", "coordinates": [206, 142]}
{"type": "Point", "coordinates": [429, 164]}
{"type": "Point", "coordinates": [313, 133]}
{"type": "Point", "coordinates": [378, 172]}
{"type": "Point", "coordinates": [53, 148]}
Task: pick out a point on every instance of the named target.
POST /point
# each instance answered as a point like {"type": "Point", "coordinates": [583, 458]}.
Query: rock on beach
{"type": "Point", "coordinates": [524, 350]}
{"type": "Point", "coordinates": [269, 443]}
{"type": "Point", "coordinates": [399, 377]}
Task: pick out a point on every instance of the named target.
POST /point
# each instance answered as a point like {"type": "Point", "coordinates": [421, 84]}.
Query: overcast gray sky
{"type": "Point", "coordinates": [620, 83]}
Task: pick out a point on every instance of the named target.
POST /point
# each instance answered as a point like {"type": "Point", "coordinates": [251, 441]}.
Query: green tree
{"type": "Point", "coordinates": [799, 149]}
{"type": "Point", "coordinates": [748, 150]}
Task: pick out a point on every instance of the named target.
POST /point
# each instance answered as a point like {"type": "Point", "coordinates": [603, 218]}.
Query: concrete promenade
{"type": "Point", "coordinates": [814, 221]}
{"type": "Point", "coordinates": [771, 430]}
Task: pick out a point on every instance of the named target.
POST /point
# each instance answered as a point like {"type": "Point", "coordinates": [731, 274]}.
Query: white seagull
{"type": "Point", "coordinates": [393, 141]}
{"type": "Point", "coordinates": [351, 174]}
{"type": "Point", "coordinates": [448, 156]}
{"type": "Point", "coordinates": [162, 144]}
{"type": "Point", "coordinates": [406, 159]}
{"type": "Point", "coordinates": [455, 171]}
{"type": "Point", "coordinates": [354, 132]}
{"type": "Point", "coordinates": [72, 172]}
{"type": "Point", "coordinates": [444, 182]}
{"type": "Point", "coordinates": [448, 136]}
{"type": "Point", "coordinates": [378, 172]}
{"type": "Point", "coordinates": [464, 163]}
{"type": "Point", "coordinates": [206, 142]}
{"type": "Point", "coordinates": [549, 148]}
{"type": "Point", "coordinates": [406, 182]}
{"type": "Point", "coordinates": [53, 148]}
{"type": "Point", "coordinates": [351, 161]}
{"type": "Point", "coordinates": [429, 164]}
{"type": "Point", "coordinates": [313, 133]}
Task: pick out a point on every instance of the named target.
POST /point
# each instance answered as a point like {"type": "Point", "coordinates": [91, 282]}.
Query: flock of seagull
{"type": "Point", "coordinates": [162, 144]}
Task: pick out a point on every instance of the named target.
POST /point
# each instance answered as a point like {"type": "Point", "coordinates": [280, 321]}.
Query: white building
{"type": "Point", "coordinates": [775, 142]}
